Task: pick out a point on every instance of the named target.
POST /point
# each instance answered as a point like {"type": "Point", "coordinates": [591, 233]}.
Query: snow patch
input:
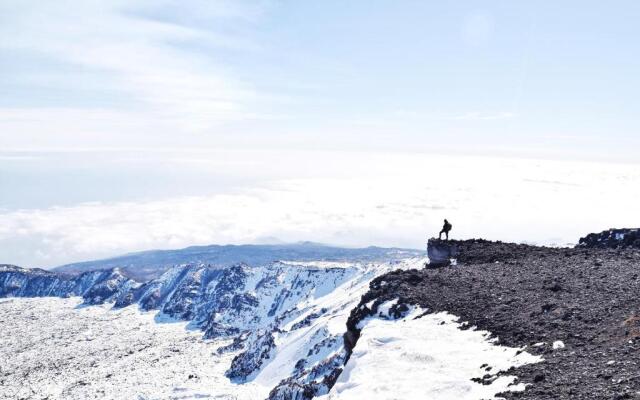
{"type": "Point", "coordinates": [384, 308]}
{"type": "Point", "coordinates": [425, 356]}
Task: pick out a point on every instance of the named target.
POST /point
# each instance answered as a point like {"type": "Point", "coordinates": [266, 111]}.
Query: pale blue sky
{"type": "Point", "coordinates": [122, 103]}
{"type": "Point", "coordinates": [535, 78]}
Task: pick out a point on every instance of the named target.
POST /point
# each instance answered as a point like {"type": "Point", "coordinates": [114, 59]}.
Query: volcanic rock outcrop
{"type": "Point", "coordinates": [613, 239]}
{"type": "Point", "coordinates": [578, 308]}
{"type": "Point", "coordinates": [441, 252]}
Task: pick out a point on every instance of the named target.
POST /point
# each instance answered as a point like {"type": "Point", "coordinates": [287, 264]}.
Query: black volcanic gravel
{"type": "Point", "coordinates": [587, 298]}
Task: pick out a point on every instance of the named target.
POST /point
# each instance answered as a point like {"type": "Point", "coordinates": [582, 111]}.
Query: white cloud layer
{"type": "Point", "coordinates": [396, 200]}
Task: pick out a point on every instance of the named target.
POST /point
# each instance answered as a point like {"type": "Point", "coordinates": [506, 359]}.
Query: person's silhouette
{"type": "Point", "coordinates": [445, 229]}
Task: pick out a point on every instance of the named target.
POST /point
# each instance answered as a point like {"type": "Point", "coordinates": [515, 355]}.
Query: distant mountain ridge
{"type": "Point", "coordinates": [147, 265]}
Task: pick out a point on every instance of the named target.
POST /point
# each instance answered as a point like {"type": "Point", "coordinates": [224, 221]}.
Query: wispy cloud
{"type": "Point", "coordinates": [486, 116]}
{"type": "Point", "coordinates": [144, 62]}
{"type": "Point", "coordinates": [471, 115]}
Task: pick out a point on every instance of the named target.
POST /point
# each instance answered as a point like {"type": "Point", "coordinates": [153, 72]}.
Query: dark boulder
{"type": "Point", "coordinates": [441, 252]}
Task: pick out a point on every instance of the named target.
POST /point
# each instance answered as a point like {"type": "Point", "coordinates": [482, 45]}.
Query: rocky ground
{"type": "Point", "coordinates": [578, 308]}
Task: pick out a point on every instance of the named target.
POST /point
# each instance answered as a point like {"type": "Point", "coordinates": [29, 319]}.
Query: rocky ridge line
{"type": "Point", "coordinates": [578, 308]}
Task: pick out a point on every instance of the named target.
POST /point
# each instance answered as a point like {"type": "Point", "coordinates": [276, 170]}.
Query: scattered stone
{"type": "Point", "coordinates": [538, 378]}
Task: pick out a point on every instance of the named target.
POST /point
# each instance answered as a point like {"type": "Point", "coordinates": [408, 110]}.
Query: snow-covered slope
{"type": "Point", "coordinates": [394, 355]}
{"type": "Point", "coordinates": [284, 321]}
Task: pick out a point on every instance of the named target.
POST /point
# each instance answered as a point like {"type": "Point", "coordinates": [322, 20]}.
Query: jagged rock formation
{"type": "Point", "coordinates": [302, 307]}
{"type": "Point", "coordinates": [246, 365]}
{"type": "Point", "coordinates": [306, 384]}
{"type": "Point", "coordinates": [95, 287]}
{"type": "Point", "coordinates": [613, 239]}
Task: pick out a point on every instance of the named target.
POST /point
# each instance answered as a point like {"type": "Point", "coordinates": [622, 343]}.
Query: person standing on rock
{"type": "Point", "coordinates": [445, 229]}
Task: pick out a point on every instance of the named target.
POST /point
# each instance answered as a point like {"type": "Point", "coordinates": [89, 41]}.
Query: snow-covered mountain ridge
{"type": "Point", "coordinates": [96, 287]}
{"type": "Point", "coordinates": [285, 321]}
{"type": "Point", "coordinates": [146, 265]}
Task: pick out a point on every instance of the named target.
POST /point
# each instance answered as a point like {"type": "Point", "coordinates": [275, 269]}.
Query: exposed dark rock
{"type": "Point", "coordinates": [441, 252]}
{"type": "Point", "coordinates": [95, 287]}
{"type": "Point", "coordinates": [585, 297]}
{"type": "Point", "coordinates": [613, 239]}
{"type": "Point", "coordinates": [235, 345]}
{"type": "Point", "coordinates": [307, 320]}
{"type": "Point", "coordinates": [108, 285]}
{"type": "Point", "coordinates": [307, 384]}
{"type": "Point", "coordinates": [246, 364]}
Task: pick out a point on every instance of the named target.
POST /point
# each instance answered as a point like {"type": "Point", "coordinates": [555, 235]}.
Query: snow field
{"type": "Point", "coordinates": [51, 348]}
{"type": "Point", "coordinates": [425, 357]}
